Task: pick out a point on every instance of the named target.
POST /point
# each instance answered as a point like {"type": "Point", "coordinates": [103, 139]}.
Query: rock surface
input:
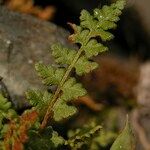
{"type": "Point", "coordinates": [25, 40]}
{"type": "Point", "coordinates": [141, 115]}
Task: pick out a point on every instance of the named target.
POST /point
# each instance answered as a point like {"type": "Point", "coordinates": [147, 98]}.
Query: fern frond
{"type": "Point", "coordinates": [81, 136]}
{"type": "Point", "coordinates": [92, 29]}
{"type": "Point", "coordinates": [83, 66]}
{"type": "Point", "coordinates": [39, 100]}
{"type": "Point", "coordinates": [49, 74]}
{"type": "Point", "coordinates": [103, 139]}
{"type": "Point", "coordinates": [62, 110]}
{"type": "Point", "coordinates": [96, 25]}
{"type": "Point", "coordinates": [57, 139]}
{"type": "Point", "coordinates": [109, 15]}
{"type": "Point", "coordinates": [93, 48]}
{"type": "Point", "coordinates": [17, 131]}
{"type": "Point", "coordinates": [50, 139]}
{"type": "Point", "coordinates": [6, 111]}
{"type": "Point", "coordinates": [62, 54]}
{"type": "Point", "coordinates": [72, 90]}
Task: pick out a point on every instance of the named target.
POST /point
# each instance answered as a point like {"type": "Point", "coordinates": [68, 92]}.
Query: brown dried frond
{"type": "Point", "coordinates": [115, 78]}
{"type": "Point", "coordinates": [27, 6]}
{"type": "Point", "coordinates": [16, 134]}
{"type": "Point", "coordinates": [89, 102]}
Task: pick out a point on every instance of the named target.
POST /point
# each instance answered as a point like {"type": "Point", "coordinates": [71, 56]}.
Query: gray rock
{"type": "Point", "coordinates": [141, 115]}
{"type": "Point", "coordinates": [25, 40]}
{"type": "Point", "coordinates": [143, 89]}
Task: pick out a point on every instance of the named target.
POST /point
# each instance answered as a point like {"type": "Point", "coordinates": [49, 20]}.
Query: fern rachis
{"type": "Point", "coordinates": [91, 26]}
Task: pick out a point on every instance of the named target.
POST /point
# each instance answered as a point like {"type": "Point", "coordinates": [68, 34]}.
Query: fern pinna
{"type": "Point", "coordinates": [56, 105]}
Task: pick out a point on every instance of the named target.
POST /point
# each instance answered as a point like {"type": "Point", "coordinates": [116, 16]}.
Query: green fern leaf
{"type": "Point", "coordinates": [57, 140]}
{"type": "Point", "coordinates": [6, 111]}
{"type": "Point", "coordinates": [50, 75]}
{"type": "Point", "coordinates": [80, 35]}
{"type": "Point", "coordinates": [39, 100]}
{"type": "Point", "coordinates": [83, 65]}
{"type": "Point", "coordinates": [93, 25]}
{"type": "Point", "coordinates": [87, 34]}
{"type": "Point", "coordinates": [62, 54]}
{"type": "Point", "coordinates": [82, 136]}
{"type": "Point", "coordinates": [44, 140]}
{"type": "Point", "coordinates": [62, 110]}
{"type": "Point", "coordinates": [103, 139]}
{"type": "Point", "coordinates": [125, 141]}
{"type": "Point", "coordinates": [104, 18]}
{"type": "Point", "coordinates": [72, 90]}
{"type": "Point", "coordinates": [96, 25]}
{"type": "Point", "coordinates": [87, 20]}
{"type": "Point", "coordinates": [65, 56]}
{"type": "Point", "coordinates": [108, 15]}
{"type": "Point", "coordinates": [93, 48]}
{"type": "Point", "coordinates": [104, 35]}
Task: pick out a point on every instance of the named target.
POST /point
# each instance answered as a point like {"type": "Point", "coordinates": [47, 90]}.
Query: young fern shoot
{"type": "Point", "coordinates": [92, 29]}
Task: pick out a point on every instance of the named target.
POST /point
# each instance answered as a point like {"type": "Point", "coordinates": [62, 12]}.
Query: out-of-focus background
{"type": "Point", "coordinates": [122, 83]}
{"type": "Point", "coordinates": [132, 34]}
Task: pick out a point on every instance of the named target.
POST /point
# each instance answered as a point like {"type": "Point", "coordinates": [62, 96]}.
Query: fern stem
{"type": "Point", "coordinates": [58, 90]}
